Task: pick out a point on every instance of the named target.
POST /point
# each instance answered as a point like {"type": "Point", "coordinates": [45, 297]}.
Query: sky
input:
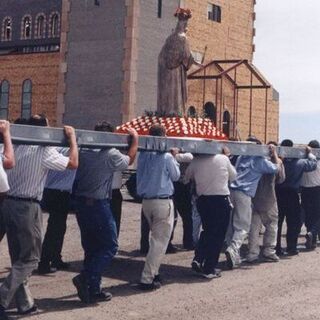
{"type": "Point", "coordinates": [288, 54]}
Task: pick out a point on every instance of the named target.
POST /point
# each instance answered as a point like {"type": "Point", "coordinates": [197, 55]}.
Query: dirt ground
{"type": "Point", "coordinates": [285, 290]}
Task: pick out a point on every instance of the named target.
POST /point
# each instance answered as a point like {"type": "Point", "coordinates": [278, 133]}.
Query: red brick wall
{"type": "Point", "coordinates": [42, 69]}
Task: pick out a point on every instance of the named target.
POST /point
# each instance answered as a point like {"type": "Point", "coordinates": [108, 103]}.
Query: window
{"type": "Point", "coordinates": [4, 99]}
{"type": "Point", "coordinates": [26, 28]}
{"type": "Point", "coordinates": [214, 12]}
{"type": "Point", "coordinates": [54, 25]}
{"type": "Point", "coordinates": [210, 112]}
{"type": "Point", "coordinates": [7, 29]}
{"type": "Point", "coordinates": [192, 112]}
{"type": "Point", "coordinates": [226, 123]}
{"type": "Point", "coordinates": [159, 8]}
{"type": "Point", "coordinates": [40, 27]}
{"type": "Point", "coordinates": [26, 99]}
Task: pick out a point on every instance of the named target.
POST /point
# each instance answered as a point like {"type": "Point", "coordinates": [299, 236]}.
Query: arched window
{"type": "Point", "coordinates": [6, 29]}
{"type": "Point", "coordinates": [54, 25]}
{"type": "Point", "coordinates": [26, 27]}
{"type": "Point", "coordinates": [4, 99]}
{"type": "Point", "coordinates": [40, 27]}
{"type": "Point", "coordinates": [192, 112]}
{"type": "Point", "coordinates": [210, 112]}
{"type": "Point", "coordinates": [226, 123]}
{"type": "Point", "coordinates": [26, 104]}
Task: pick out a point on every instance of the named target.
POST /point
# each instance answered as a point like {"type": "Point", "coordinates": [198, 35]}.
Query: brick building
{"type": "Point", "coordinates": [85, 60]}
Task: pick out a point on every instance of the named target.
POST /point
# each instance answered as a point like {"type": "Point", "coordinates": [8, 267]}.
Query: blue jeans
{"type": "Point", "coordinates": [98, 238]}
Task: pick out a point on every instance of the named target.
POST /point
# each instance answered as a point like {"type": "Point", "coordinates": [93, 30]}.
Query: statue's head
{"type": "Point", "coordinates": [183, 16]}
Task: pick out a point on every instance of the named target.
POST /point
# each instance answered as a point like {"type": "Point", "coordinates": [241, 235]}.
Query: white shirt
{"type": "Point", "coordinates": [117, 180]}
{"type": "Point", "coordinates": [211, 174]}
{"type": "Point", "coordinates": [311, 179]}
{"type": "Point", "coordinates": [28, 176]}
{"type": "Point", "coordinates": [4, 185]}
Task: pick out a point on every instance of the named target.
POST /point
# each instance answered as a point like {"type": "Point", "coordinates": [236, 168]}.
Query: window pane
{"type": "Point", "coordinates": [27, 86]}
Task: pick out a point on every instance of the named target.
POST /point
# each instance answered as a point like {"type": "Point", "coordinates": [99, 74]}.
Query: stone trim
{"type": "Point", "coordinates": [52, 14]}
{"type": "Point", "coordinates": [36, 31]}
{"type": "Point", "coordinates": [3, 28]}
{"type": "Point", "coordinates": [128, 108]}
{"type": "Point", "coordinates": [23, 20]}
{"type": "Point", "coordinates": [66, 4]}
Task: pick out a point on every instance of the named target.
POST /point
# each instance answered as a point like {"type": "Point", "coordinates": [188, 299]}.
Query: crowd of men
{"type": "Point", "coordinates": [221, 200]}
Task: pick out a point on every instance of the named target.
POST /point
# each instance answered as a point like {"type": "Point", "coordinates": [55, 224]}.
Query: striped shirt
{"type": "Point", "coordinates": [33, 163]}
{"type": "Point", "coordinates": [61, 180]}
{"type": "Point", "coordinates": [95, 172]}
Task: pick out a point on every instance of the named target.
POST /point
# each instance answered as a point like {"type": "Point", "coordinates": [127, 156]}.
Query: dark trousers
{"type": "Point", "coordinates": [98, 238]}
{"type": "Point", "coordinates": [116, 207]}
{"type": "Point", "coordinates": [215, 214]}
{"type": "Point", "coordinates": [289, 209]}
{"type": "Point", "coordinates": [310, 200]}
{"type": "Point", "coordinates": [57, 204]}
{"type": "Point", "coordinates": [2, 225]}
{"type": "Point", "coordinates": [182, 204]}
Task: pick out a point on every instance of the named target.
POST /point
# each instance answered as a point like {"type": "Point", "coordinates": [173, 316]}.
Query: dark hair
{"type": "Point", "coordinates": [20, 121]}
{"type": "Point", "coordinates": [287, 143]}
{"type": "Point", "coordinates": [38, 120]}
{"type": "Point", "coordinates": [314, 144]}
{"type": "Point", "coordinates": [254, 139]}
{"type": "Point", "coordinates": [157, 130]}
{"type": "Point", "coordinates": [104, 126]}
{"type": "Point", "coordinates": [272, 142]}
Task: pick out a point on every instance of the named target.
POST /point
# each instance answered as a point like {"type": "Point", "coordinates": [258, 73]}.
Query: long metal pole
{"type": "Point", "coordinates": [250, 114]}
{"type": "Point", "coordinates": [221, 105]}
{"type": "Point", "coordinates": [45, 136]}
{"type": "Point", "coordinates": [266, 117]}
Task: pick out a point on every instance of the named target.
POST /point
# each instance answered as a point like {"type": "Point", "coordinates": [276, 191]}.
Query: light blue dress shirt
{"type": "Point", "coordinates": [156, 173]}
{"type": "Point", "coordinates": [249, 171]}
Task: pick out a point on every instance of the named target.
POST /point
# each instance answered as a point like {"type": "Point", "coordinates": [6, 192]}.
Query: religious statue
{"type": "Point", "coordinates": [175, 59]}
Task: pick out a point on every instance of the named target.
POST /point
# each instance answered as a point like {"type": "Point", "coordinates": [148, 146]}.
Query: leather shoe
{"type": "Point", "coordinates": [33, 309]}
{"type": "Point", "coordinates": [149, 286]}
{"type": "Point", "coordinates": [45, 268]}
{"type": "Point", "coordinates": [158, 279]}
{"type": "Point", "coordinates": [82, 288]}
{"type": "Point", "coordinates": [171, 248]}
{"type": "Point", "coordinates": [292, 252]}
{"type": "Point", "coordinates": [102, 296]}
{"type": "Point", "coordinates": [309, 241]}
{"type": "Point", "coordinates": [60, 265]}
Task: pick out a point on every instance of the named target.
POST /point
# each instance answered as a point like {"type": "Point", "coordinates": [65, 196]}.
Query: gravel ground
{"type": "Point", "coordinates": [285, 290]}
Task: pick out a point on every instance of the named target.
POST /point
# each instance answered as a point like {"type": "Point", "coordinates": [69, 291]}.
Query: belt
{"type": "Point", "coordinates": [159, 198]}
{"type": "Point", "coordinates": [24, 199]}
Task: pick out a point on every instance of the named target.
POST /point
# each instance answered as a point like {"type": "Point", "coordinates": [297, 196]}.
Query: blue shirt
{"type": "Point", "coordinates": [249, 171]}
{"type": "Point", "coordinates": [95, 172]}
{"type": "Point", "coordinates": [155, 174]}
{"type": "Point", "coordinates": [294, 170]}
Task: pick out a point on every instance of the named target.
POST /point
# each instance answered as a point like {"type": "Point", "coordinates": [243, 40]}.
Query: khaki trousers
{"type": "Point", "coordinates": [160, 215]}
{"type": "Point", "coordinates": [269, 219]}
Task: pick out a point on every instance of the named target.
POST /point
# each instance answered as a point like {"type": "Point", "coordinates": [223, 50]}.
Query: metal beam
{"type": "Point", "coordinates": [30, 135]}
{"type": "Point", "coordinates": [253, 87]}
{"type": "Point", "coordinates": [204, 77]}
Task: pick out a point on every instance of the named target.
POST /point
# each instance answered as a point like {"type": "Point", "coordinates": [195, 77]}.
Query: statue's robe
{"type": "Point", "coordinates": [174, 61]}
